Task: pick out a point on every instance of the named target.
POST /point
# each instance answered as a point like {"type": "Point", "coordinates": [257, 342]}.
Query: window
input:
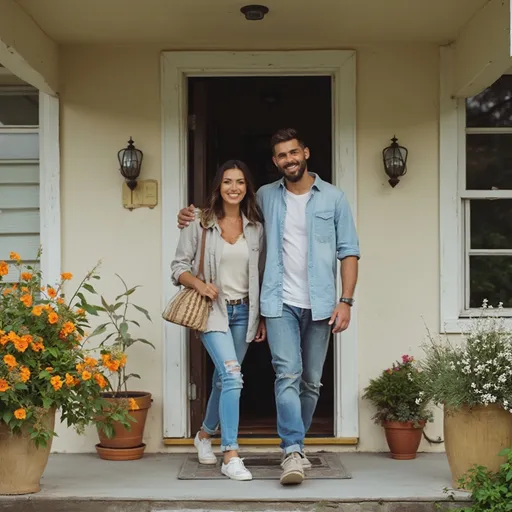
{"type": "Point", "coordinates": [19, 174]}
{"type": "Point", "coordinates": [486, 195]}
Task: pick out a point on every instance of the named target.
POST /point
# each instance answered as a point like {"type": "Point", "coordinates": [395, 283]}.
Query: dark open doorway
{"type": "Point", "coordinates": [234, 118]}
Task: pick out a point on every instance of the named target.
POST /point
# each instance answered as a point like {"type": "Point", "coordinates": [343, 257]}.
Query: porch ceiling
{"type": "Point", "coordinates": [219, 24]}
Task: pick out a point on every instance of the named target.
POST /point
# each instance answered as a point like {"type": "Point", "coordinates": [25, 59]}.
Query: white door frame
{"type": "Point", "coordinates": [176, 68]}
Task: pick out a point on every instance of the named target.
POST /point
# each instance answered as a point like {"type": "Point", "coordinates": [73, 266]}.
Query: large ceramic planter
{"type": "Point", "coordinates": [476, 436]}
{"type": "Point", "coordinates": [21, 463]}
{"type": "Point", "coordinates": [403, 439]}
{"type": "Point", "coordinates": [126, 444]}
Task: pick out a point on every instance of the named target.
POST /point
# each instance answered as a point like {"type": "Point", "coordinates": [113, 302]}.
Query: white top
{"type": "Point", "coordinates": [234, 270]}
{"type": "Point", "coordinates": [295, 252]}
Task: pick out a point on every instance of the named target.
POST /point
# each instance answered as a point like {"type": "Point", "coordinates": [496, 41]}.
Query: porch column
{"type": "Point", "coordinates": [26, 50]}
{"type": "Point", "coordinates": [482, 51]}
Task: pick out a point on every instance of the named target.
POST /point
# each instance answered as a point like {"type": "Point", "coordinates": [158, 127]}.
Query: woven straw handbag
{"type": "Point", "coordinates": [188, 307]}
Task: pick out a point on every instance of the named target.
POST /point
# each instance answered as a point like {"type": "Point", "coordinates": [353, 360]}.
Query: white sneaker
{"type": "Point", "coordinates": [306, 463]}
{"type": "Point", "coordinates": [236, 470]}
{"type": "Point", "coordinates": [204, 450]}
{"type": "Point", "coordinates": [293, 472]}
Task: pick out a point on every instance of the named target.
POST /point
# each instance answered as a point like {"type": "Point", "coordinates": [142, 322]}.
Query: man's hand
{"type": "Point", "coordinates": [207, 289]}
{"type": "Point", "coordinates": [186, 216]}
{"type": "Point", "coordinates": [261, 334]}
{"type": "Point", "coordinates": [340, 317]}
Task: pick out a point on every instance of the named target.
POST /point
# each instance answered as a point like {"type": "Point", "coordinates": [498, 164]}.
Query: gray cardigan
{"type": "Point", "coordinates": [187, 260]}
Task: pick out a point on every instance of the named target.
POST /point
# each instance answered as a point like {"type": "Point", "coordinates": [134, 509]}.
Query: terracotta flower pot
{"type": "Point", "coordinates": [403, 439]}
{"type": "Point", "coordinates": [475, 436]}
{"type": "Point", "coordinates": [123, 438]}
{"type": "Point", "coordinates": [21, 463]}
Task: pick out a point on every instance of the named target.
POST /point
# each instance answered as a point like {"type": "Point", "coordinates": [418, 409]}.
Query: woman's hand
{"type": "Point", "coordinates": [207, 289]}
{"type": "Point", "coordinates": [261, 333]}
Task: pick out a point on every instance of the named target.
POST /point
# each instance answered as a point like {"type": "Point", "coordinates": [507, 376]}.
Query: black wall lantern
{"type": "Point", "coordinates": [130, 160]}
{"type": "Point", "coordinates": [395, 161]}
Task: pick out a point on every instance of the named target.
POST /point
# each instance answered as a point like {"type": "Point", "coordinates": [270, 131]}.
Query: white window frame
{"type": "Point", "coordinates": [454, 256]}
{"type": "Point", "coordinates": [49, 179]}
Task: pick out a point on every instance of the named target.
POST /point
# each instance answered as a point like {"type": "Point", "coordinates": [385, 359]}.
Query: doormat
{"type": "Point", "coordinates": [267, 467]}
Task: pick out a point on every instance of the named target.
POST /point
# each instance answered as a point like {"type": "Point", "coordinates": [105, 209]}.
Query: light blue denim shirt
{"type": "Point", "coordinates": [331, 236]}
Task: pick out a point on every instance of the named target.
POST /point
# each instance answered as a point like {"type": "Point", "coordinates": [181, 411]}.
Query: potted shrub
{"type": "Point", "coordinates": [119, 440]}
{"type": "Point", "coordinates": [401, 406]}
{"type": "Point", "coordinates": [472, 379]}
{"type": "Point", "coordinates": [44, 366]}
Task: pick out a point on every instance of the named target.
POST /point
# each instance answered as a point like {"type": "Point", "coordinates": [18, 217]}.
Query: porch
{"type": "Point", "coordinates": [83, 482]}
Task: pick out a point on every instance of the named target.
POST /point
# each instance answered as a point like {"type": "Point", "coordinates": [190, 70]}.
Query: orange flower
{"type": "Point", "coordinates": [53, 318]}
{"type": "Point", "coordinates": [3, 340]}
{"type": "Point", "coordinates": [20, 414]}
{"type": "Point", "coordinates": [60, 300]}
{"type": "Point", "coordinates": [68, 328]}
{"type": "Point", "coordinates": [48, 308]}
{"type": "Point", "coordinates": [90, 361]}
{"type": "Point", "coordinates": [4, 268]}
{"type": "Point", "coordinates": [70, 380]}
{"type": "Point", "coordinates": [7, 290]}
{"type": "Point", "coordinates": [49, 369]}
{"type": "Point", "coordinates": [27, 300]}
{"type": "Point", "coordinates": [43, 288]}
{"type": "Point", "coordinates": [10, 361]}
{"type": "Point", "coordinates": [100, 380]}
{"type": "Point", "coordinates": [56, 382]}
{"type": "Point", "coordinates": [26, 276]}
{"type": "Point", "coordinates": [14, 256]}
{"type": "Point", "coordinates": [37, 347]}
{"type": "Point", "coordinates": [86, 375]}
{"type": "Point", "coordinates": [4, 386]}
{"type": "Point", "coordinates": [24, 374]}
{"type": "Point", "coordinates": [21, 343]}
{"type": "Point", "coordinates": [37, 310]}
{"type": "Point", "coordinates": [66, 276]}
{"type": "Point", "coordinates": [52, 292]}
{"type": "Point", "coordinates": [132, 404]}
{"type": "Point", "coordinates": [80, 311]}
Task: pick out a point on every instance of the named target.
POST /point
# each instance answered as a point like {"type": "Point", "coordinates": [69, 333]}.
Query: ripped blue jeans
{"type": "Point", "coordinates": [299, 347]}
{"type": "Point", "coordinates": [227, 350]}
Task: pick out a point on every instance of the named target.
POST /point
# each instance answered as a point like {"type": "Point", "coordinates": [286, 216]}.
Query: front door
{"type": "Point", "coordinates": [234, 118]}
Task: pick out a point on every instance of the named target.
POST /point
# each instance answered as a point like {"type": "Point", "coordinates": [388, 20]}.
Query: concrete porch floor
{"type": "Point", "coordinates": [83, 482]}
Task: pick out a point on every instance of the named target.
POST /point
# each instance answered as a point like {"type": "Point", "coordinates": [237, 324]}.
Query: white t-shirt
{"type": "Point", "coordinates": [295, 252]}
{"type": "Point", "coordinates": [234, 270]}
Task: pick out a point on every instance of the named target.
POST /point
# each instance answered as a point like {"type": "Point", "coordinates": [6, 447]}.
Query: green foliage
{"type": "Point", "coordinates": [398, 394]}
{"type": "Point", "coordinates": [490, 492]}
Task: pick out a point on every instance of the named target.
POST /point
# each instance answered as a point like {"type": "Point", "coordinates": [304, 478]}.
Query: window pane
{"type": "Point", "coordinates": [19, 109]}
{"type": "Point", "coordinates": [19, 146]}
{"type": "Point", "coordinates": [492, 107]}
{"type": "Point", "coordinates": [490, 278]}
{"type": "Point", "coordinates": [491, 224]}
{"type": "Point", "coordinates": [489, 162]}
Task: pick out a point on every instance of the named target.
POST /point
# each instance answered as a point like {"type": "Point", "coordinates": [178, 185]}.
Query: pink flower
{"type": "Point", "coordinates": [407, 359]}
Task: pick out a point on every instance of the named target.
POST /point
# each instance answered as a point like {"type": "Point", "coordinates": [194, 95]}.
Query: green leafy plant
{"type": "Point", "coordinates": [475, 371]}
{"type": "Point", "coordinates": [119, 339]}
{"type": "Point", "coordinates": [490, 491]}
{"type": "Point", "coordinates": [45, 363]}
{"type": "Point", "coordinates": [398, 394]}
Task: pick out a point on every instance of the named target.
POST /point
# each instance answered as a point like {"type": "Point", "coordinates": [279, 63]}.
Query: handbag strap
{"type": "Point", "coordinates": [200, 273]}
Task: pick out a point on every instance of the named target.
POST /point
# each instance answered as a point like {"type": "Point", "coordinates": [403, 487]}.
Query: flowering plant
{"type": "Point", "coordinates": [398, 393]}
{"type": "Point", "coordinates": [44, 364]}
{"type": "Point", "coordinates": [476, 371]}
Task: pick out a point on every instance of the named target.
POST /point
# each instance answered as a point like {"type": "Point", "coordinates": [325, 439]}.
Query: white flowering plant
{"type": "Point", "coordinates": [475, 371]}
{"type": "Point", "coordinates": [398, 395]}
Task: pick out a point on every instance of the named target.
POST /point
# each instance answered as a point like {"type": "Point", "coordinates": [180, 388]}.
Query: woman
{"type": "Point", "coordinates": [232, 268]}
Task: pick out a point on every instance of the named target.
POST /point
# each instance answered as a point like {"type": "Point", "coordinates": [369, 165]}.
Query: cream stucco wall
{"type": "Point", "coordinates": [111, 93]}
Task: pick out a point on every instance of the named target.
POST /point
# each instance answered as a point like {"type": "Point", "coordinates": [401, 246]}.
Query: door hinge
{"type": "Point", "coordinates": [192, 391]}
{"type": "Point", "coordinates": [192, 122]}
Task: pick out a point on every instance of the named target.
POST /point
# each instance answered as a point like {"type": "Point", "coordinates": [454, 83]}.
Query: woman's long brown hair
{"type": "Point", "coordinates": [215, 207]}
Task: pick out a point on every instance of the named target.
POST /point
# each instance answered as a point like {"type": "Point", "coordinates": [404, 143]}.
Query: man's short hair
{"type": "Point", "coordinates": [285, 135]}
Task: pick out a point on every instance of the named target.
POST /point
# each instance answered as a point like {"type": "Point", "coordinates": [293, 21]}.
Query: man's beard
{"type": "Point", "coordinates": [303, 165]}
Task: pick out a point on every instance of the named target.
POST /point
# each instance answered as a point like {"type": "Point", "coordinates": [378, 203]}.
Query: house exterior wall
{"type": "Point", "coordinates": [110, 93]}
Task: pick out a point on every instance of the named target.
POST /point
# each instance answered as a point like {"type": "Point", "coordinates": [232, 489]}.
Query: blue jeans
{"type": "Point", "coordinates": [299, 347]}
{"type": "Point", "coordinates": [227, 350]}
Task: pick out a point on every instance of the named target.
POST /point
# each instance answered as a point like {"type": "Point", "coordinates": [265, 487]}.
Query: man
{"type": "Point", "coordinates": [308, 226]}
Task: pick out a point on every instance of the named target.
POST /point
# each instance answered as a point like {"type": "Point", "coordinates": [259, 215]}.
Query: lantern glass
{"type": "Point", "coordinates": [130, 160]}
